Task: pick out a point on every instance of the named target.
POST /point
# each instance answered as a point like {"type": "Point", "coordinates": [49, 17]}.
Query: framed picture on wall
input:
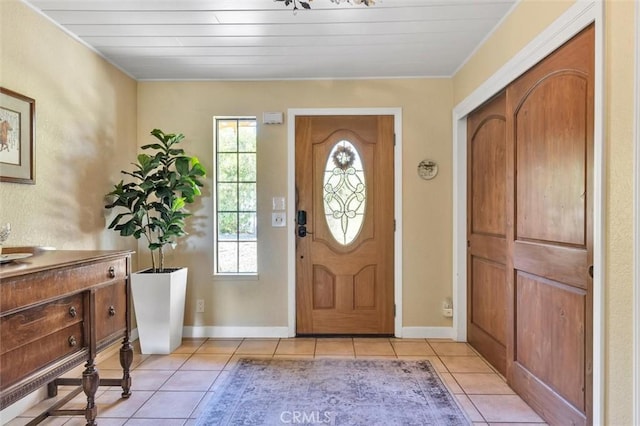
{"type": "Point", "coordinates": [17, 137]}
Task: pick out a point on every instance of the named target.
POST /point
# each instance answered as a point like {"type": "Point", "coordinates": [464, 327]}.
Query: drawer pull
{"type": "Point", "coordinates": [112, 272]}
{"type": "Point", "coordinates": [72, 341]}
{"type": "Point", "coordinates": [112, 311]}
{"type": "Point", "coordinates": [73, 312]}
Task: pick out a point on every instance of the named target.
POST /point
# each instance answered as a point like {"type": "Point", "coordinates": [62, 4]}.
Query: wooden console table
{"type": "Point", "coordinates": [59, 309]}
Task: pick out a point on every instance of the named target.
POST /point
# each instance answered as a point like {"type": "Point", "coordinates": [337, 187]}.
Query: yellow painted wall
{"type": "Point", "coordinates": [525, 22]}
{"type": "Point", "coordinates": [85, 133]}
{"type": "Point", "coordinates": [189, 107]}
{"type": "Point", "coordinates": [90, 117]}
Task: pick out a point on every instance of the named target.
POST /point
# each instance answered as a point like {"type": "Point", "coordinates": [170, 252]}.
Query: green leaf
{"type": "Point", "coordinates": [178, 204]}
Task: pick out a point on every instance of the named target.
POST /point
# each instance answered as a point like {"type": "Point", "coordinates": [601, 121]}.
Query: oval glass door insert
{"type": "Point", "coordinates": [345, 192]}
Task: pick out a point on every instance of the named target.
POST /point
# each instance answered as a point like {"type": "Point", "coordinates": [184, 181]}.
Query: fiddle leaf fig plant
{"type": "Point", "coordinates": [152, 203]}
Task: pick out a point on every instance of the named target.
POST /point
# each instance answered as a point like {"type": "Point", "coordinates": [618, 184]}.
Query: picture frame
{"type": "Point", "coordinates": [17, 137]}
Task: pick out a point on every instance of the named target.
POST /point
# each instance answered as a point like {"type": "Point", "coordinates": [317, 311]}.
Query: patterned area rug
{"type": "Point", "coordinates": [332, 392]}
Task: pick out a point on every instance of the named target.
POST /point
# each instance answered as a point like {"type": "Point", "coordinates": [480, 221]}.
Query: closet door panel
{"type": "Point", "coordinates": [486, 232]}
{"type": "Point", "coordinates": [550, 247]}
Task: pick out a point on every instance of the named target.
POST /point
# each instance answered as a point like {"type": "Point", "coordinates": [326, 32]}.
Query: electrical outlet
{"type": "Point", "coordinates": [278, 219]}
{"type": "Point", "coordinates": [200, 305]}
{"type": "Point", "coordinates": [447, 308]}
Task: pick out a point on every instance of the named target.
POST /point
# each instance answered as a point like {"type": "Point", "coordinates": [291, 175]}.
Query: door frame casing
{"type": "Point", "coordinates": [570, 23]}
{"type": "Point", "coordinates": [292, 113]}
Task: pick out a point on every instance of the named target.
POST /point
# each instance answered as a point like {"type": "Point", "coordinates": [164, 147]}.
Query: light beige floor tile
{"type": "Point", "coordinates": [190, 381]}
{"type": "Point", "coordinates": [296, 347]}
{"type": "Point", "coordinates": [470, 410]}
{"type": "Point", "coordinates": [155, 422]}
{"type": "Point", "coordinates": [235, 358]}
{"type": "Point", "coordinates": [163, 362]}
{"type": "Point", "coordinates": [452, 349]}
{"type": "Point", "coordinates": [504, 408]}
{"type": "Point", "coordinates": [219, 346]}
{"type": "Point", "coordinates": [189, 346]}
{"type": "Point", "coordinates": [417, 347]}
{"type": "Point", "coordinates": [382, 357]}
{"type": "Point", "coordinates": [111, 404]}
{"type": "Point", "coordinates": [434, 360]}
{"type": "Point", "coordinates": [293, 356]}
{"type": "Point", "coordinates": [113, 362]}
{"type": "Point", "coordinates": [149, 379]}
{"type": "Point", "coordinates": [450, 382]}
{"type": "Point", "coordinates": [482, 384]}
{"type": "Point", "coordinates": [80, 421]}
{"type": "Point", "coordinates": [516, 424]}
{"type": "Point", "coordinates": [257, 347]}
{"type": "Point", "coordinates": [343, 347]}
{"type": "Point", "coordinates": [465, 364]}
{"type": "Point", "coordinates": [110, 374]}
{"type": "Point", "coordinates": [322, 356]}
{"type": "Point", "coordinates": [50, 421]}
{"type": "Point", "coordinates": [206, 362]}
{"type": "Point", "coordinates": [364, 347]}
{"type": "Point", "coordinates": [170, 405]}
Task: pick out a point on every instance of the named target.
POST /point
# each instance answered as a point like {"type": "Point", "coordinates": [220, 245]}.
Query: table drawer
{"type": "Point", "coordinates": [111, 310]}
{"type": "Point", "coordinates": [30, 325]}
{"type": "Point", "coordinates": [46, 285]}
{"type": "Point", "coordinates": [26, 359]}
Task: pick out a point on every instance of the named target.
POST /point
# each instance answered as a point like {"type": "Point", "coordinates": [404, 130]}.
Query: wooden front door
{"type": "Point", "coordinates": [487, 231]}
{"type": "Point", "coordinates": [344, 224]}
{"type": "Point", "coordinates": [550, 162]}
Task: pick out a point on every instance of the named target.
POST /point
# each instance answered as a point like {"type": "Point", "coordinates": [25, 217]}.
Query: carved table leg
{"type": "Point", "coordinates": [126, 359]}
{"type": "Point", "coordinates": [90, 382]}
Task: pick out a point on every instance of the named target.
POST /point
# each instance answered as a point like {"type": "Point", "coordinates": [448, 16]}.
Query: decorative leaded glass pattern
{"type": "Point", "coordinates": [344, 192]}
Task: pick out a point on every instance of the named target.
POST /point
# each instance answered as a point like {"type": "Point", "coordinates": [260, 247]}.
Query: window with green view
{"type": "Point", "coordinates": [236, 247]}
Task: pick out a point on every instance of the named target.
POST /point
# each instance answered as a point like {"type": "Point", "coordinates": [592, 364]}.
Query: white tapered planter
{"type": "Point", "coordinates": [159, 301]}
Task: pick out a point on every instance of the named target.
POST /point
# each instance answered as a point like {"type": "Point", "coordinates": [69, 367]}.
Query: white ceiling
{"type": "Point", "coordinates": [264, 39]}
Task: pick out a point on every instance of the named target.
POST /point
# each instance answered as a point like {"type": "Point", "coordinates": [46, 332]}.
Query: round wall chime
{"type": "Point", "coordinates": [427, 169]}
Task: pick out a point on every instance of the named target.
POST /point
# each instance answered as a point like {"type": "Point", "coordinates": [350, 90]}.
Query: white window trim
{"type": "Point", "coordinates": [636, 257]}
{"type": "Point", "coordinates": [229, 276]}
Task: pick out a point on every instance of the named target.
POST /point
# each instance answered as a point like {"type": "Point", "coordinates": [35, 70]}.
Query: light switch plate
{"type": "Point", "coordinates": [278, 203]}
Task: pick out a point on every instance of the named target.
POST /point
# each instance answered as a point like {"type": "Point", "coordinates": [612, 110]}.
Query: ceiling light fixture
{"type": "Point", "coordinates": [305, 4]}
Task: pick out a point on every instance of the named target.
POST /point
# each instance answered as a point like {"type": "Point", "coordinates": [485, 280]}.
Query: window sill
{"type": "Point", "coordinates": [236, 277]}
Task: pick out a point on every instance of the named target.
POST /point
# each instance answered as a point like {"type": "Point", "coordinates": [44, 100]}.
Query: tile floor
{"type": "Point", "coordinates": [169, 390]}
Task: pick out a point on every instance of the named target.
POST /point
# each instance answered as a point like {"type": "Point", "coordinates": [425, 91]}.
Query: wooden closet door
{"type": "Point", "coordinates": [486, 232]}
{"type": "Point", "coordinates": [550, 240]}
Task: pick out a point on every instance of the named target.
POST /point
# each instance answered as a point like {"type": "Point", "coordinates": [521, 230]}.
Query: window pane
{"type": "Point", "coordinates": [247, 226]}
{"type": "Point", "coordinates": [228, 226]}
{"type": "Point", "coordinates": [227, 167]}
{"type": "Point", "coordinates": [247, 194]}
{"type": "Point", "coordinates": [227, 197]}
{"type": "Point", "coordinates": [247, 136]}
{"type": "Point", "coordinates": [227, 257]}
{"type": "Point", "coordinates": [248, 257]}
{"type": "Point", "coordinates": [227, 136]}
{"type": "Point", "coordinates": [247, 164]}
{"type": "Point", "coordinates": [236, 195]}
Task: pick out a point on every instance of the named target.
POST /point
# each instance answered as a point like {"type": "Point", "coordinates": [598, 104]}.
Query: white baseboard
{"type": "Point", "coordinates": [428, 333]}
{"type": "Point", "coordinates": [238, 332]}
{"type": "Point", "coordinates": [282, 332]}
